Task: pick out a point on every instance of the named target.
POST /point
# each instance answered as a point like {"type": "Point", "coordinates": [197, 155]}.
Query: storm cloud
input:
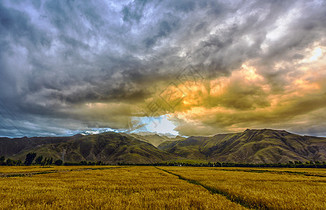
{"type": "Point", "coordinates": [67, 66]}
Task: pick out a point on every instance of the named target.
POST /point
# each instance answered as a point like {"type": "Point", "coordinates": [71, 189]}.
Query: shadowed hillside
{"type": "Point", "coordinates": [155, 139]}
{"type": "Point", "coordinates": [11, 147]}
{"type": "Point", "coordinates": [105, 147]}
{"type": "Point", "coordinates": [250, 146]}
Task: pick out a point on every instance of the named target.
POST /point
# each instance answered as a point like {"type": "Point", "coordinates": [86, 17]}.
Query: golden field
{"type": "Point", "coordinates": [263, 188]}
{"type": "Point", "coordinates": [148, 187]}
{"type": "Point", "coordinates": [111, 188]}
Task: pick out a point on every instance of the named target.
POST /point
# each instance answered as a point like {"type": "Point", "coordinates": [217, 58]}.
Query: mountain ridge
{"type": "Point", "coordinates": [249, 146]}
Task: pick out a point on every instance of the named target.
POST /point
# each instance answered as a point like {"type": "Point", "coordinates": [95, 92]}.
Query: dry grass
{"type": "Point", "coordinates": [30, 169]}
{"type": "Point", "coordinates": [75, 187]}
{"type": "Point", "coordinates": [115, 188]}
{"type": "Point", "coordinates": [278, 188]}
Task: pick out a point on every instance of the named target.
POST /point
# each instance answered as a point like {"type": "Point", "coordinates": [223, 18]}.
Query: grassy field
{"type": "Point", "coordinates": [139, 187]}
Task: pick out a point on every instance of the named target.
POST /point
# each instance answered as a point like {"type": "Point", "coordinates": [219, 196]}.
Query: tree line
{"type": "Point", "coordinates": [290, 164]}
{"type": "Point", "coordinates": [31, 159]}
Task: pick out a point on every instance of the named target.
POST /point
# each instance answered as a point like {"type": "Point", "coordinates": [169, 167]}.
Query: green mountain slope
{"type": "Point", "coordinates": [155, 139]}
{"type": "Point", "coordinates": [105, 147]}
{"type": "Point", "coordinates": [250, 146]}
{"type": "Point", "coordinates": [10, 147]}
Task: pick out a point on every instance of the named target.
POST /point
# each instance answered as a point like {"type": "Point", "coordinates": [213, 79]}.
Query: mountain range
{"type": "Point", "coordinates": [250, 146]}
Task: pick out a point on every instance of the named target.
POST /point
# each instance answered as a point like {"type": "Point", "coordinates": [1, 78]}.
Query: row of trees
{"type": "Point", "coordinates": [9, 162]}
{"type": "Point", "coordinates": [31, 158]}
{"type": "Point", "coordinates": [84, 163]}
{"type": "Point", "coordinates": [290, 164]}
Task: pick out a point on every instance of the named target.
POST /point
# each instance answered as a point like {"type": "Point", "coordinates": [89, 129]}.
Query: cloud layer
{"type": "Point", "coordinates": [211, 66]}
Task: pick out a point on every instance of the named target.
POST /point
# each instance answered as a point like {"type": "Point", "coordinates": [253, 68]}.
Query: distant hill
{"type": "Point", "coordinates": [250, 146]}
{"type": "Point", "coordinates": [106, 147]}
{"type": "Point", "coordinates": [11, 147]}
{"type": "Point", "coordinates": [156, 139]}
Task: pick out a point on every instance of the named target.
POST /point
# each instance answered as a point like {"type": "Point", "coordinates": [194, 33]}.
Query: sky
{"type": "Point", "coordinates": [175, 67]}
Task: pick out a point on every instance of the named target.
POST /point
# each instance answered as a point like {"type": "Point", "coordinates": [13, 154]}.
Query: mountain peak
{"type": "Point", "coordinates": [249, 146]}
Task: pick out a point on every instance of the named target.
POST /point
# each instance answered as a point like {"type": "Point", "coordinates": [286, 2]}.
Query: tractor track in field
{"type": "Point", "coordinates": [233, 198]}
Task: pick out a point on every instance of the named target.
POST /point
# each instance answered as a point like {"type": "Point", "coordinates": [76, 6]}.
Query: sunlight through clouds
{"type": "Point", "coordinates": [177, 67]}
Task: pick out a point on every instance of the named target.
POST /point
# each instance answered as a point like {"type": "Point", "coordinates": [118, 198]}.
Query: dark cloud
{"type": "Point", "coordinates": [60, 59]}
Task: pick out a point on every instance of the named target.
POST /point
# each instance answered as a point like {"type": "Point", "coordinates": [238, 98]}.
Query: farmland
{"type": "Point", "coordinates": [138, 187]}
